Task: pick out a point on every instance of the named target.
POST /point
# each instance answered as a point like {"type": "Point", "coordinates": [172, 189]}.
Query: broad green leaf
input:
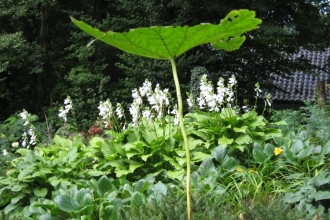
{"type": "Point", "coordinates": [30, 169]}
{"type": "Point", "coordinates": [193, 143]}
{"type": "Point", "coordinates": [49, 217]}
{"type": "Point", "coordinates": [321, 195]}
{"type": "Point", "coordinates": [269, 149]}
{"type": "Point", "coordinates": [326, 149]}
{"type": "Point", "coordinates": [229, 163]}
{"type": "Point", "coordinates": [206, 166]}
{"type": "Point", "coordinates": [16, 199]}
{"type": "Point", "coordinates": [220, 153]}
{"type": "Point", "coordinates": [297, 146]}
{"type": "Point", "coordinates": [138, 199]}
{"type": "Point", "coordinates": [104, 186]}
{"type": "Point", "coordinates": [133, 167]}
{"type": "Point", "coordinates": [66, 203]}
{"type": "Point", "coordinates": [224, 141]}
{"type": "Point", "coordinates": [120, 172]}
{"type": "Point", "coordinates": [321, 180]}
{"type": "Point", "coordinates": [241, 129]}
{"type": "Point", "coordinates": [199, 156]}
{"type": "Point", "coordinates": [258, 155]}
{"type": "Point", "coordinates": [17, 188]}
{"type": "Point", "coordinates": [40, 192]}
{"type": "Point", "coordinates": [289, 155]}
{"type": "Point", "coordinates": [23, 151]}
{"type": "Point", "coordinates": [141, 185]}
{"type": "Point", "coordinates": [244, 139]}
{"type": "Point", "coordinates": [66, 143]}
{"type": "Point", "coordinates": [108, 148]}
{"type": "Point", "coordinates": [176, 174]}
{"type": "Point", "coordinates": [71, 155]}
{"type": "Point", "coordinates": [109, 212]}
{"type": "Point", "coordinates": [169, 42]}
{"type": "Point", "coordinates": [95, 173]}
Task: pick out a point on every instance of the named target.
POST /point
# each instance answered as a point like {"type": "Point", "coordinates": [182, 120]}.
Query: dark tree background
{"type": "Point", "coordinates": [44, 58]}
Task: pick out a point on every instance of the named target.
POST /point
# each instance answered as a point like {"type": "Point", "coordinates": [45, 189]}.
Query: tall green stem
{"type": "Point", "coordinates": [183, 132]}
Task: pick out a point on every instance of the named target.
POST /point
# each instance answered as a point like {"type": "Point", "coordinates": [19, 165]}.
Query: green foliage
{"type": "Point", "coordinates": [228, 128]}
{"type": "Point", "coordinates": [309, 117]}
{"type": "Point", "coordinates": [170, 42]}
{"type": "Point", "coordinates": [275, 209]}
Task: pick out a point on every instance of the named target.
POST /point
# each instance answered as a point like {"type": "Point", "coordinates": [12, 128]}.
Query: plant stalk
{"type": "Point", "coordinates": [183, 132]}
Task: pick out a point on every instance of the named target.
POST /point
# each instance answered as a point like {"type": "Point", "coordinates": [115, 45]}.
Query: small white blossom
{"type": "Point", "coordinates": [145, 90]}
{"type": "Point", "coordinates": [134, 110]}
{"type": "Point", "coordinates": [4, 152]}
{"type": "Point", "coordinates": [175, 112]}
{"type": "Point", "coordinates": [106, 110]}
{"type": "Point", "coordinates": [119, 111]}
{"type": "Point", "coordinates": [15, 144]}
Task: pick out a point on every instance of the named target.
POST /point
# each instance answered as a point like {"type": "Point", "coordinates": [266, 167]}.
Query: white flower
{"type": "Point", "coordinates": [232, 81]}
{"type": "Point", "coordinates": [134, 110]}
{"type": "Point", "coordinates": [257, 88]}
{"type": "Point", "coordinates": [136, 97]}
{"type": "Point", "coordinates": [24, 115]}
{"type": "Point", "coordinates": [63, 113]}
{"type": "Point", "coordinates": [145, 90]}
{"type": "Point", "coordinates": [4, 152]}
{"type": "Point", "coordinates": [106, 110]}
{"type": "Point", "coordinates": [175, 112]}
{"type": "Point", "coordinates": [119, 111]}
{"type": "Point", "coordinates": [147, 114]}
{"type": "Point", "coordinates": [15, 144]}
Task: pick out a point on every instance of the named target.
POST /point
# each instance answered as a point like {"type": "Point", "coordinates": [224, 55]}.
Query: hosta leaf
{"type": "Point", "coordinates": [170, 42]}
{"type": "Point", "coordinates": [141, 185]}
{"type": "Point", "coordinates": [224, 141]}
{"type": "Point", "coordinates": [297, 146]}
{"type": "Point", "coordinates": [66, 203]}
{"type": "Point", "coordinates": [244, 139]}
{"type": "Point", "coordinates": [95, 173]}
{"type": "Point", "coordinates": [132, 167]}
{"type": "Point", "coordinates": [321, 180]}
{"type": "Point", "coordinates": [321, 195]}
{"type": "Point", "coordinates": [269, 149]}
{"type": "Point", "coordinates": [206, 166]}
{"type": "Point", "coordinates": [193, 143]}
{"type": "Point", "coordinates": [109, 212]}
{"type": "Point", "coordinates": [40, 192]}
{"type": "Point", "coordinates": [103, 186]}
{"type": "Point", "coordinates": [176, 174]}
{"type": "Point", "coordinates": [49, 217]}
{"type": "Point", "coordinates": [220, 153]}
{"type": "Point", "coordinates": [138, 199]}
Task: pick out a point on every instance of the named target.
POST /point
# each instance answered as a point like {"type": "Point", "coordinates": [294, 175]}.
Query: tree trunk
{"type": "Point", "coordinates": [42, 82]}
{"type": "Point", "coordinates": [98, 12]}
{"type": "Point", "coordinates": [321, 94]}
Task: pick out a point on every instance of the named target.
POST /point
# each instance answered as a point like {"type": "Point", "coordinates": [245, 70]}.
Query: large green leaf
{"type": "Point", "coordinates": [169, 42]}
{"type": "Point", "coordinates": [104, 186]}
{"type": "Point", "coordinates": [66, 203]}
{"type": "Point", "coordinates": [138, 199]}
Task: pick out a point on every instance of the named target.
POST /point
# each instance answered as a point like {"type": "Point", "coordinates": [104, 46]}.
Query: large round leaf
{"type": "Point", "coordinates": [170, 42]}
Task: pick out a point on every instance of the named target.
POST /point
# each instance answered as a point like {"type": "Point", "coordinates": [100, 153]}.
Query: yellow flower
{"type": "Point", "coordinates": [278, 151]}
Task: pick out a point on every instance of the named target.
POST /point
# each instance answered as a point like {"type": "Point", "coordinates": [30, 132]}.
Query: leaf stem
{"type": "Point", "coordinates": [183, 132]}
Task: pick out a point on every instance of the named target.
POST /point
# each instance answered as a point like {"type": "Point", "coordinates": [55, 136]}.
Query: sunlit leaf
{"type": "Point", "coordinates": [170, 42]}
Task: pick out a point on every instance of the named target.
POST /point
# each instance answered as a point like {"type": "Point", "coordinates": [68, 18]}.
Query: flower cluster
{"type": "Point", "coordinates": [29, 135]}
{"type": "Point", "coordinates": [211, 101]}
{"type": "Point", "coordinates": [158, 100]}
{"type": "Point", "coordinates": [108, 113]}
{"type": "Point", "coordinates": [64, 111]}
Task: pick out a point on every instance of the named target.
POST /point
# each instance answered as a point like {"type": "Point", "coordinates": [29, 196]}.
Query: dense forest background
{"type": "Point", "coordinates": [44, 57]}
